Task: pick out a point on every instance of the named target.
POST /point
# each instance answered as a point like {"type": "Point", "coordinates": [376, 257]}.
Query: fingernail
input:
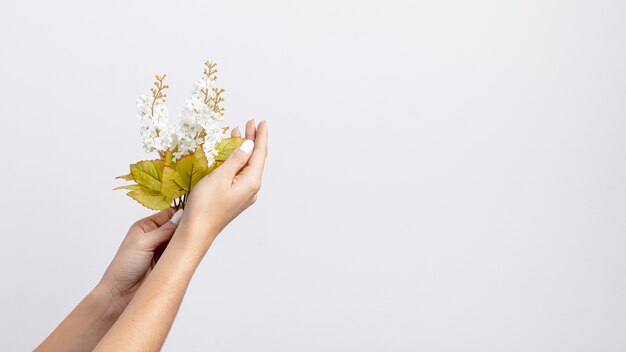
{"type": "Point", "coordinates": [247, 146]}
{"type": "Point", "coordinates": [177, 215]}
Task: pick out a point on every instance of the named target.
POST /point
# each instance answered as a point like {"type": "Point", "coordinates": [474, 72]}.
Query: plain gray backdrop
{"type": "Point", "coordinates": [443, 175]}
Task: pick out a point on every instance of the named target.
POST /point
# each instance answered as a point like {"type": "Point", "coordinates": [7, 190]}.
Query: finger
{"type": "Point", "coordinates": [235, 132]}
{"type": "Point", "coordinates": [250, 129]}
{"type": "Point", "coordinates": [153, 221]}
{"type": "Point", "coordinates": [237, 159]}
{"type": "Point", "coordinates": [256, 163]}
{"type": "Point", "coordinates": [163, 233]}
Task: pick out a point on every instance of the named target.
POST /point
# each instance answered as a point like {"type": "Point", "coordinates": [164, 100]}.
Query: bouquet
{"type": "Point", "coordinates": [186, 152]}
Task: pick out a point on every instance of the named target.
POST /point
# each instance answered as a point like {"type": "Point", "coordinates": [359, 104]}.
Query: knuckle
{"type": "Point", "coordinates": [136, 241]}
{"type": "Point", "coordinates": [137, 225]}
{"type": "Point", "coordinates": [254, 186]}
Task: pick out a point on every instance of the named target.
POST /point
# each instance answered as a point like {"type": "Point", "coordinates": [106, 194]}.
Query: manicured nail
{"type": "Point", "coordinates": [177, 215]}
{"type": "Point", "coordinates": [247, 146]}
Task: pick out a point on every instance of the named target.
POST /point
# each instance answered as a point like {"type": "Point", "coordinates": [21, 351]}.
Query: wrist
{"type": "Point", "coordinates": [197, 234]}
{"type": "Point", "coordinates": [110, 301]}
{"type": "Point", "coordinates": [190, 243]}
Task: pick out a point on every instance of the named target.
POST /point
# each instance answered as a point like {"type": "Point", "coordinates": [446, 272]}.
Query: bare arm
{"type": "Point", "coordinates": [83, 328]}
{"type": "Point", "coordinates": [87, 323]}
{"type": "Point", "coordinates": [214, 202]}
{"type": "Point", "coordinates": [145, 323]}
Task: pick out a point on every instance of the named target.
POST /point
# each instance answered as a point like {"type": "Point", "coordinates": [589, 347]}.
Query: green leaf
{"type": "Point", "coordinates": [148, 173]}
{"type": "Point", "coordinates": [168, 186]}
{"type": "Point", "coordinates": [191, 169]}
{"type": "Point", "coordinates": [151, 199]}
{"type": "Point", "coordinates": [227, 146]}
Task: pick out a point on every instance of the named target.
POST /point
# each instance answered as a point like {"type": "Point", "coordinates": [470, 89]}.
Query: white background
{"type": "Point", "coordinates": [443, 175]}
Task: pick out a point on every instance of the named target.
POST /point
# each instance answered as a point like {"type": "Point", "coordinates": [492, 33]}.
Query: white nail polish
{"type": "Point", "coordinates": [177, 215]}
{"type": "Point", "coordinates": [247, 146]}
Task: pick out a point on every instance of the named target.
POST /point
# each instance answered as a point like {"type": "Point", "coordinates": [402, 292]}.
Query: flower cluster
{"type": "Point", "coordinates": [199, 121]}
{"type": "Point", "coordinates": [201, 117]}
{"type": "Point", "coordinates": [153, 115]}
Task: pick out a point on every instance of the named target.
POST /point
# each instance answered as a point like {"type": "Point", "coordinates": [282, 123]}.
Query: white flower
{"type": "Point", "coordinates": [200, 120]}
{"type": "Point", "coordinates": [154, 124]}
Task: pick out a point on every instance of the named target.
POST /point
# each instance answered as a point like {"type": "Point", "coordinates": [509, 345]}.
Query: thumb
{"type": "Point", "coordinates": [238, 158]}
{"type": "Point", "coordinates": [164, 232]}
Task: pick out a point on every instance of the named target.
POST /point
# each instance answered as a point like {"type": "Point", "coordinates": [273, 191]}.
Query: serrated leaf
{"type": "Point", "coordinates": [148, 173]}
{"type": "Point", "coordinates": [132, 187]}
{"type": "Point", "coordinates": [191, 169]}
{"type": "Point", "coordinates": [168, 186]}
{"type": "Point", "coordinates": [151, 199]}
{"type": "Point", "coordinates": [127, 177]}
{"type": "Point", "coordinates": [227, 146]}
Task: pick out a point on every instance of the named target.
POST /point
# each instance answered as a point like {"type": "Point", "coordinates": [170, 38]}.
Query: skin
{"type": "Point", "coordinates": [133, 306]}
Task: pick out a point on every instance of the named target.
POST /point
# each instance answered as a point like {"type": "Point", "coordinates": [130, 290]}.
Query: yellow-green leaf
{"type": "Point", "coordinates": [127, 177]}
{"type": "Point", "coordinates": [227, 146]}
{"type": "Point", "coordinates": [168, 186]}
{"type": "Point", "coordinates": [151, 199]}
{"type": "Point", "coordinates": [191, 169]}
{"type": "Point", "coordinates": [148, 173]}
{"type": "Point", "coordinates": [132, 187]}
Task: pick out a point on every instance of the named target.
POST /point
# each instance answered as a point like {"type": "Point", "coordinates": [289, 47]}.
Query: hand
{"type": "Point", "coordinates": [231, 188]}
{"type": "Point", "coordinates": [212, 204]}
{"type": "Point", "coordinates": [140, 250]}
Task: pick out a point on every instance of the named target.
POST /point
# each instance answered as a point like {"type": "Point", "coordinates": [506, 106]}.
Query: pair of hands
{"type": "Point", "coordinates": [215, 201]}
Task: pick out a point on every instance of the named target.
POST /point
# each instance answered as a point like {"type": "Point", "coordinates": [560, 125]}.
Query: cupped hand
{"type": "Point", "coordinates": [138, 253]}
{"type": "Point", "coordinates": [215, 200]}
{"type": "Point", "coordinates": [231, 188]}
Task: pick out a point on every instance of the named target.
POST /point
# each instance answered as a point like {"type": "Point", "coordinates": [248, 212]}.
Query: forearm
{"type": "Point", "coordinates": [83, 328]}
{"type": "Point", "coordinates": [145, 323]}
